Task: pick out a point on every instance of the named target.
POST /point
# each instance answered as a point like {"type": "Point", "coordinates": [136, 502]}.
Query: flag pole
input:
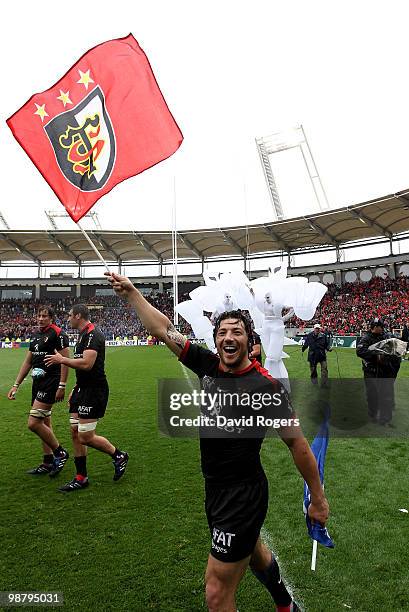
{"type": "Point", "coordinates": [314, 549]}
{"type": "Point", "coordinates": [314, 555]}
{"type": "Point", "coordinates": [175, 255]}
{"type": "Point", "coordinates": [94, 248]}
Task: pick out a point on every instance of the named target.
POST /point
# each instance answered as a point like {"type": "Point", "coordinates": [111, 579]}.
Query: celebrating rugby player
{"type": "Point", "coordinates": [236, 486]}
{"type": "Point", "coordinates": [89, 398]}
{"type": "Point", "coordinates": [48, 387]}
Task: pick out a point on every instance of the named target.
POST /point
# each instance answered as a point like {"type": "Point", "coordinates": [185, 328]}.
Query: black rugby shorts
{"type": "Point", "coordinates": [235, 515]}
{"type": "Point", "coordinates": [89, 402]}
{"type": "Point", "coordinates": [44, 389]}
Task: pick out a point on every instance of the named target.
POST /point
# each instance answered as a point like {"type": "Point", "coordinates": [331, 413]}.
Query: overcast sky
{"type": "Point", "coordinates": [230, 71]}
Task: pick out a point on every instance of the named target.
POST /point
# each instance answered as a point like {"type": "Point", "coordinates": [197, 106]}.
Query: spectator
{"type": "Point", "coordinates": [318, 345]}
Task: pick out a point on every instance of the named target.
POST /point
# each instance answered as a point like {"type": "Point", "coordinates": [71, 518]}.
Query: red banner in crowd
{"type": "Point", "coordinates": [103, 122]}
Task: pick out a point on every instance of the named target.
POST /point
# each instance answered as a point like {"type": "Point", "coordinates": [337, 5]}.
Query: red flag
{"type": "Point", "coordinates": [104, 121]}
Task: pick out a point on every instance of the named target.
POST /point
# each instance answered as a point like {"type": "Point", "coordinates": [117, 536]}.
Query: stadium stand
{"type": "Point", "coordinates": [347, 309]}
{"type": "Point", "coordinates": [344, 310]}
{"type": "Point", "coordinates": [109, 313]}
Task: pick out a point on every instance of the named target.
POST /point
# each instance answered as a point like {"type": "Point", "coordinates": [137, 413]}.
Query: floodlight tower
{"type": "Point", "coordinates": [53, 214]}
{"type": "Point", "coordinates": [4, 222]}
{"type": "Point", "coordinates": [282, 141]}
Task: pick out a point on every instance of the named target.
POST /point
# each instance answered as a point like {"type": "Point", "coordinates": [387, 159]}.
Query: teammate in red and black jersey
{"type": "Point", "coordinates": [89, 398]}
{"type": "Point", "coordinates": [48, 387]}
{"type": "Point", "coordinates": [235, 483]}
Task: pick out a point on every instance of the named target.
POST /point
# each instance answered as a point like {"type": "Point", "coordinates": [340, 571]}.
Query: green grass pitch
{"type": "Point", "coordinates": [141, 544]}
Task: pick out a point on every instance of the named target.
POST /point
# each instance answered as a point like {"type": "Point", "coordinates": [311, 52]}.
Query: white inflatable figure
{"type": "Point", "coordinates": [192, 311]}
{"type": "Point", "coordinates": [226, 305]}
{"type": "Point", "coordinates": [307, 300]}
{"type": "Point", "coordinates": [221, 293]}
{"type": "Point", "coordinates": [265, 298]}
{"type": "Point", "coordinates": [273, 336]}
{"type": "Point", "coordinates": [272, 295]}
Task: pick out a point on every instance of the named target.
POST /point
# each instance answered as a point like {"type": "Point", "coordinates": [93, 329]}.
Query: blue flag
{"type": "Point", "coordinates": [319, 448]}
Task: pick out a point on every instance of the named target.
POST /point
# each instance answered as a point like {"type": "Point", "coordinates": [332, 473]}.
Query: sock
{"type": "Point", "coordinates": [271, 579]}
{"type": "Point", "coordinates": [81, 466]}
{"type": "Point", "coordinates": [116, 454]}
{"type": "Point", "coordinates": [47, 459]}
{"type": "Point", "coordinates": [59, 451]}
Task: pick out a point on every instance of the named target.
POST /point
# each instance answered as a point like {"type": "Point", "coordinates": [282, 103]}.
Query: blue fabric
{"type": "Point", "coordinates": [319, 448]}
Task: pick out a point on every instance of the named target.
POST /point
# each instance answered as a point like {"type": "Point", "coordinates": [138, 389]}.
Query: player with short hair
{"type": "Point", "coordinates": [89, 398]}
{"type": "Point", "coordinates": [48, 388]}
{"type": "Point", "coordinates": [235, 483]}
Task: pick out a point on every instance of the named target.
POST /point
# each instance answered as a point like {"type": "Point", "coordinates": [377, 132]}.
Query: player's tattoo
{"type": "Point", "coordinates": [176, 336]}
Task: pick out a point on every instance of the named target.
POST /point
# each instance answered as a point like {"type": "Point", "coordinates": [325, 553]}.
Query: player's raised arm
{"type": "Point", "coordinates": [155, 321]}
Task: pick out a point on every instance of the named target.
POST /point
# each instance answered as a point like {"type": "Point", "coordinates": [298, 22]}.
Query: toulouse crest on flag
{"type": "Point", "coordinates": [84, 142]}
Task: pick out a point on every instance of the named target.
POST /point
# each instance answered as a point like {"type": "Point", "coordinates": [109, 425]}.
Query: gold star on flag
{"type": "Point", "coordinates": [64, 97]}
{"type": "Point", "coordinates": [85, 78]}
{"type": "Point", "coordinates": [41, 111]}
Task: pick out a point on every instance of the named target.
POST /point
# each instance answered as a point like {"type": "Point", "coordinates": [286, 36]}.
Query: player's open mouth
{"type": "Point", "coordinates": [229, 349]}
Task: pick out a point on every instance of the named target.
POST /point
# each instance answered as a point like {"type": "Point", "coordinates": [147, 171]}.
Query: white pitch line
{"type": "Point", "coordinates": [266, 536]}
{"type": "Point", "coordinates": [186, 375]}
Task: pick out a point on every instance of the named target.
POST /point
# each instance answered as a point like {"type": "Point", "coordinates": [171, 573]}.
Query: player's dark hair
{"type": "Point", "coordinates": [48, 310]}
{"type": "Point", "coordinates": [240, 316]}
{"type": "Point", "coordinates": [82, 310]}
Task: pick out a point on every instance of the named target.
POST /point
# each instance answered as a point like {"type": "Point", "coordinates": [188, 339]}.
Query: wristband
{"type": "Point", "coordinates": [61, 386]}
{"type": "Point", "coordinates": [16, 384]}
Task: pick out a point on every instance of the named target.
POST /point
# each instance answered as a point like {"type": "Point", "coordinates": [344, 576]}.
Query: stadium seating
{"type": "Point", "coordinates": [347, 309]}
{"type": "Point", "coordinates": [116, 318]}
{"type": "Point", "coordinates": [344, 310]}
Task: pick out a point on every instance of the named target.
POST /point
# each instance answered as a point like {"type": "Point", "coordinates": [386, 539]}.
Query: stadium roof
{"type": "Point", "coordinates": [382, 218]}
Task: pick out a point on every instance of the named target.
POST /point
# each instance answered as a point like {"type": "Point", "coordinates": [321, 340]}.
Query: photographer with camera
{"type": "Point", "coordinates": [380, 371]}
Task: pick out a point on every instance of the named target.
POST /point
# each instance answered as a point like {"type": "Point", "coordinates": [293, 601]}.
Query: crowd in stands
{"type": "Point", "coordinates": [110, 313]}
{"type": "Point", "coordinates": [344, 310]}
{"type": "Point", "coordinates": [347, 309]}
